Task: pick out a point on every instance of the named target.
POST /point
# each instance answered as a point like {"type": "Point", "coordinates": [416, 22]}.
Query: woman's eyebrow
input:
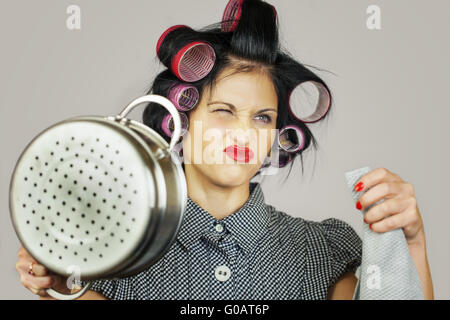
{"type": "Point", "coordinates": [234, 108]}
{"type": "Point", "coordinates": [225, 103]}
{"type": "Point", "coordinates": [267, 109]}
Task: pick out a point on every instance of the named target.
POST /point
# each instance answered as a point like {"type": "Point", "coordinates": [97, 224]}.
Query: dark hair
{"type": "Point", "coordinates": [252, 46]}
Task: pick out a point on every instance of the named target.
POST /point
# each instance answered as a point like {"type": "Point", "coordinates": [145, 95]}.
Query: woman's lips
{"type": "Point", "coordinates": [240, 154]}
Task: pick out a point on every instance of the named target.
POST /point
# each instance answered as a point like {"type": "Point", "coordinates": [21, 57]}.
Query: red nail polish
{"type": "Point", "coordinates": [370, 226]}
{"type": "Point", "coordinates": [365, 221]}
{"type": "Point", "coordinates": [359, 186]}
{"type": "Point", "coordinates": [358, 205]}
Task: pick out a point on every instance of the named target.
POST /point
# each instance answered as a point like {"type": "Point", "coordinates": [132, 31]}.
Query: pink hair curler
{"type": "Point", "coordinates": [301, 96]}
{"type": "Point", "coordinates": [288, 135]}
{"type": "Point", "coordinates": [184, 97]}
{"type": "Point", "coordinates": [232, 14]}
{"type": "Point", "coordinates": [193, 59]}
{"type": "Point", "coordinates": [167, 124]}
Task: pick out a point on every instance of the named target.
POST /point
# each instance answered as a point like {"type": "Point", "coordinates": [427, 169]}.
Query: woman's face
{"type": "Point", "coordinates": [241, 111]}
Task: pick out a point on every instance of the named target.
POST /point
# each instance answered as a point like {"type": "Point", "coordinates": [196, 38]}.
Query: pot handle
{"type": "Point", "coordinates": [166, 103]}
{"type": "Point", "coordinates": [61, 296]}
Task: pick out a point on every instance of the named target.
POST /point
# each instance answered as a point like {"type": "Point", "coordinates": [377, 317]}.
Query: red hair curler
{"type": "Point", "coordinates": [232, 14]}
{"type": "Point", "coordinates": [319, 104]}
{"type": "Point", "coordinates": [193, 58]}
{"type": "Point", "coordinates": [165, 33]}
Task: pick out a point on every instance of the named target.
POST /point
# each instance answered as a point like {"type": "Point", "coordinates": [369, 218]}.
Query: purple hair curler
{"type": "Point", "coordinates": [284, 158]}
{"type": "Point", "coordinates": [321, 104]}
{"type": "Point", "coordinates": [232, 14]}
{"type": "Point", "coordinates": [167, 124]}
{"type": "Point", "coordinates": [278, 158]}
{"type": "Point", "coordinates": [184, 97]}
{"type": "Point", "coordinates": [193, 59]}
{"type": "Point", "coordinates": [287, 135]}
{"type": "Point", "coordinates": [178, 149]}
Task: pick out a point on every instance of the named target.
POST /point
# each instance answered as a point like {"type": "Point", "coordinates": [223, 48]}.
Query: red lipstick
{"type": "Point", "coordinates": [240, 154]}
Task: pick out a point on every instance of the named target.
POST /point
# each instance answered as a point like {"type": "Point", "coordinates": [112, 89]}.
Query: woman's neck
{"type": "Point", "coordinates": [219, 201]}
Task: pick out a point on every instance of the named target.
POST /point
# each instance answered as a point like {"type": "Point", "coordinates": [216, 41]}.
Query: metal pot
{"type": "Point", "coordinates": [100, 196]}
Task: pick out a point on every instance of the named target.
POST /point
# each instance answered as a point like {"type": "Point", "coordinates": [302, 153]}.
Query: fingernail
{"type": "Point", "coordinates": [365, 221]}
{"type": "Point", "coordinates": [359, 186]}
{"type": "Point", "coordinates": [370, 226]}
{"type": "Point", "coordinates": [358, 205]}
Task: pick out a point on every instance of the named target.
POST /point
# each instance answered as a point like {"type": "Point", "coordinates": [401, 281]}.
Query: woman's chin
{"type": "Point", "coordinates": [233, 174]}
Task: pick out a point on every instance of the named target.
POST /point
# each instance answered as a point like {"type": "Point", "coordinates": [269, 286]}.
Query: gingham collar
{"type": "Point", "coordinates": [246, 225]}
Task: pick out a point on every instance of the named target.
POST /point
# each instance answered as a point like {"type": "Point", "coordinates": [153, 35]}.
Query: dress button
{"type": "Point", "coordinates": [219, 227]}
{"type": "Point", "coordinates": [222, 273]}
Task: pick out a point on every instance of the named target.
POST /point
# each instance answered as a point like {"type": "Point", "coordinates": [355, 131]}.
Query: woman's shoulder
{"type": "Point", "coordinates": [335, 236]}
{"type": "Point", "coordinates": [326, 227]}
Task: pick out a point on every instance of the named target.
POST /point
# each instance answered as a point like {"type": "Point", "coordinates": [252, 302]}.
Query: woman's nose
{"type": "Point", "coordinates": [241, 133]}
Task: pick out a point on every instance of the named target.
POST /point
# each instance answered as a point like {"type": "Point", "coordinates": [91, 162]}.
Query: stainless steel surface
{"type": "Point", "coordinates": [105, 195]}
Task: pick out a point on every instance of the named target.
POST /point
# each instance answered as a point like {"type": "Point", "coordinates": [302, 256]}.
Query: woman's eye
{"type": "Point", "coordinates": [222, 110]}
{"type": "Point", "coordinates": [265, 118]}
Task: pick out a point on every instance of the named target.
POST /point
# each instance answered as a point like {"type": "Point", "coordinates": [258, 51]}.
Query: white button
{"type": "Point", "coordinates": [219, 227]}
{"type": "Point", "coordinates": [222, 273]}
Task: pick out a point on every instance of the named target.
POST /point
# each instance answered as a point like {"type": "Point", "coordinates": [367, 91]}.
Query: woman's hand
{"type": "Point", "coordinates": [39, 278]}
{"type": "Point", "coordinates": [398, 210]}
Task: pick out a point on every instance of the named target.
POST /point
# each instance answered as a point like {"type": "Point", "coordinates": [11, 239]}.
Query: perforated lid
{"type": "Point", "coordinates": [81, 196]}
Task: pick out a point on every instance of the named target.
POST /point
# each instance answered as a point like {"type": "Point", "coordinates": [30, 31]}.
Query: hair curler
{"type": "Point", "coordinates": [193, 58]}
{"type": "Point", "coordinates": [167, 124]}
{"type": "Point", "coordinates": [184, 97]}
{"type": "Point", "coordinates": [232, 15]}
{"type": "Point", "coordinates": [278, 158]}
{"type": "Point", "coordinates": [178, 150]}
{"type": "Point", "coordinates": [300, 96]}
{"type": "Point", "coordinates": [165, 33]}
{"type": "Point", "coordinates": [284, 158]}
{"type": "Point", "coordinates": [291, 139]}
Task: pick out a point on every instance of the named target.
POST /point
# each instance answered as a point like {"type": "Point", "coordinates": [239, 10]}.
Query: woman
{"type": "Point", "coordinates": [231, 244]}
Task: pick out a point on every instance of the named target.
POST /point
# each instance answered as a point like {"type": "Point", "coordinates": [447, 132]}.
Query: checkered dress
{"type": "Point", "coordinates": [258, 252]}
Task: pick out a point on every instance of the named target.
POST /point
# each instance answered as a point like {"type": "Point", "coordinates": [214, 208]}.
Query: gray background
{"type": "Point", "coordinates": [390, 86]}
